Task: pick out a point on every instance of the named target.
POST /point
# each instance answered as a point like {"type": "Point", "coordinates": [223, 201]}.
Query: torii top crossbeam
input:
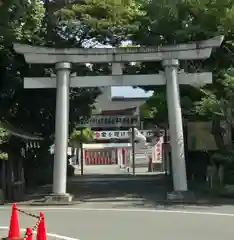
{"type": "Point", "coordinates": [196, 50]}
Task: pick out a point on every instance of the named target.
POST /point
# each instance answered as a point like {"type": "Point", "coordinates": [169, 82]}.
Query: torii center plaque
{"type": "Point", "coordinates": [169, 55]}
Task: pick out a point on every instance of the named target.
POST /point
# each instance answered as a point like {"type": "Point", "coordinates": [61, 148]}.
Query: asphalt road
{"type": "Point", "coordinates": [127, 209]}
{"type": "Point", "coordinates": [105, 221]}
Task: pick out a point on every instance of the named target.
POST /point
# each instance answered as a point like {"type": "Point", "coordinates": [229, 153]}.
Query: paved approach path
{"type": "Point", "coordinates": [107, 221]}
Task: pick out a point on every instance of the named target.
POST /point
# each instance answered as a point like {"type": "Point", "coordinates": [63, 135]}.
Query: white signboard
{"type": "Point", "coordinates": [101, 135]}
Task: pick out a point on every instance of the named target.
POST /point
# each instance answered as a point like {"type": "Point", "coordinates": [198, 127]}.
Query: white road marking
{"type": "Point", "coordinates": [48, 234]}
{"type": "Point", "coordinates": [143, 210]}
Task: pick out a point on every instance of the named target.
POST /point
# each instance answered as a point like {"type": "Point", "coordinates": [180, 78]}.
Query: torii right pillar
{"type": "Point", "coordinates": [175, 125]}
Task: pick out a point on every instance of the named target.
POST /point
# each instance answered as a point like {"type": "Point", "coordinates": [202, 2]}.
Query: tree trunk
{"type": "Point", "coordinates": [218, 133]}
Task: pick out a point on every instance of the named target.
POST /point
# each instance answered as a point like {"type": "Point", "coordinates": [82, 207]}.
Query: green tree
{"type": "Point", "coordinates": [77, 139]}
{"type": "Point", "coordinates": [217, 104]}
{"type": "Point", "coordinates": [79, 25]}
{"type": "Point", "coordinates": [185, 21]}
{"type": "Point", "coordinates": [99, 21]}
{"type": "Point", "coordinates": [20, 21]}
{"type": "Point", "coordinates": [81, 136]}
{"type": "Point", "coordinates": [86, 24]}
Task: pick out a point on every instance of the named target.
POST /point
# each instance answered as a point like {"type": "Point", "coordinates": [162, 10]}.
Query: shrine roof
{"type": "Point", "coordinates": [128, 99]}
{"type": "Point", "coordinates": [20, 133]}
{"type": "Point", "coordinates": [119, 112]}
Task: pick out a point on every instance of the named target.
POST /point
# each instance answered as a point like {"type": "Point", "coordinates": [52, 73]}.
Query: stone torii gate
{"type": "Point", "coordinates": [169, 55]}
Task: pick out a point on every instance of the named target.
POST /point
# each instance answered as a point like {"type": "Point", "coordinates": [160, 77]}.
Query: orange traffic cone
{"type": "Point", "coordinates": [29, 234]}
{"type": "Point", "coordinates": [41, 231]}
{"type": "Point", "coordinates": [14, 230]}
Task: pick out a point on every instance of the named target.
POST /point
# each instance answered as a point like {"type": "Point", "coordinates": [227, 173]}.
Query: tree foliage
{"type": "Point", "coordinates": [217, 103]}
{"type": "Point", "coordinates": [21, 20]}
{"type": "Point", "coordinates": [100, 21]}
{"type": "Point", "coordinates": [91, 23]}
{"type": "Point", "coordinates": [24, 22]}
{"type": "Point", "coordinates": [81, 136]}
{"type": "Point", "coordinates": [4, 135]}
{"type": "Point", "coordinates": [86, 24]}
{"type": "Point", "coordinates": [185, 21]}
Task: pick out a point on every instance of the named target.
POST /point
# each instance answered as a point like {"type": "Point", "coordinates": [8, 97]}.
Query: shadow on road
{"type": "Point", "coordinates": [128, 191]}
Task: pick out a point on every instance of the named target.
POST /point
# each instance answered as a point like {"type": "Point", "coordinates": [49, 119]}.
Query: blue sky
{"type": "Point", "coordinates": [129, 92]}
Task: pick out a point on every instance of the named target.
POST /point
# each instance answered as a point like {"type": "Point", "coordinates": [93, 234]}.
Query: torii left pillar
{"type": "Point", "coordinates": [175, 125]}
{"type": "Point", "coordinates": [63, 70]}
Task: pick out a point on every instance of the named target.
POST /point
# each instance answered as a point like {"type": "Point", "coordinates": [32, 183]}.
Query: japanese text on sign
{"type": "Point", "coordinates": [109, 121]}
{"type": "Point", "coordinates": [119, 134]}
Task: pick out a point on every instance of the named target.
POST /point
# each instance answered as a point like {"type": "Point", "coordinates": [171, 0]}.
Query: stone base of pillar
{"type": "Point", "coordinates": [55, 199]}
{"type": "Point", "coordinates": [180, 196]}
{"type": "Point", "coordinates": [59, 198]}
